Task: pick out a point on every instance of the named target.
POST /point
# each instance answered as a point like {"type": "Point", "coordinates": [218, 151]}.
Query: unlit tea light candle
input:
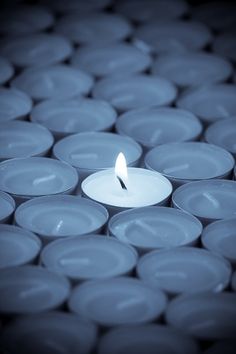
{"type": "Point", "coordinates": [185, 270]}
{"type": "Point", "coordinates": [185, 162]}
{"type": "Point", "coordinates": [24, 139]}
{"type": "Point", "coordinates": [6, 70]}
{"type": "Point", "coordinates": [89, 257]}
{"type": "Point", "coordinates": [31, 289]}
{"type": "Point", "coordinates": [208, 200]}
{"type": "Point", "coordinates": [79, 115]}
{"type": "Point", "coordinates": [14, 104]}
{"type": "Point", "coordinates": [54, 217]}
{"type": "Point", "coordinates": [205, 316]}
{"type": "Point", "coordinates": [156, 126]}
{"type": "Point", "coordinates": [155, 228]}
{"type": "Point", "coordinates": [7, 207]}
{"type": "Point", "coordinates": [17, 246]}
{"type": "Point", "coordinates": [50, 332]}
{"type": "Point", "coordinates": [117, 301]}
{"type": "Point", "coordinates": [120, 188]}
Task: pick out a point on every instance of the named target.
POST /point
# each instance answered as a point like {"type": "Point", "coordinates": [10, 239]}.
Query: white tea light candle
{"type": "Point", "coordinates": [7, 207]}
{"type": "Point", "coordinates": [14, 104]}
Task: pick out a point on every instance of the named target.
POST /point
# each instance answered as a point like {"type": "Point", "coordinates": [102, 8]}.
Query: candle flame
{"type": "Point", "coordinates": [121, 167]}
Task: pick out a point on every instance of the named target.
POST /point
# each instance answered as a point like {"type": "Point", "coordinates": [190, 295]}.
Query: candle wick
{"type": "Point", "coordinates": [123, 186]}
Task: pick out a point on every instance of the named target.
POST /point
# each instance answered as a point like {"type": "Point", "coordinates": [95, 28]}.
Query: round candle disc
{"type": "Point", "coordinates": [90, 257]}
{"type": "Point", "coordinates": [93, 151]}
{"type": "Point", "coordinates": [183, 162]}
{"type": "Point", "coordinates": [144, 11]}
{"type": "Point", "coordinates": [24, 139]}
{"type": "Point", "coordinates": [96, 27]}
{"type": "Point", "coordinates": [7, 207]}
{"type": "Point", "coordinates": [192, 69]}
{"type": "Point", "coordinates": [151, 126]}
{"type": "Point", "coordinates": [36, 49]}
{"type": "Point", "coordinates": [57, 82]}
{"type": "Point", "coordinates": [66, 117]}
{"type": "Point", "coordinates": [31, 289]}
{"type": "Point", "coordinates": [37, 176]}
{"type": "Point", "coordinates": [205, 316]}
{"type": "Point", "coordinates": [151, 338]}
{"type": "Point", "coordinates": [210, 103]}
{"type": "Point", "coordinates": [208, 200]}
{"type": "Point", "coordinates": [25, 19]}
{"type": "Point", "coordinates": [72, 6]}
{"type": "Point", "coordinates": [14, 104]}
{"type": "Point", "coordinates": [223, 134]}
{"type": "Point", "coordinates": [135, 91]}
{"type": "Point", "coordinates": [155, 227]}
{"type": "Point", "coordinates": [225, 45]}
{"type": "Point", "coordinates": [117, 301]}
{"type": "Point", "coordinates": [60, 216]}
{"type": "Point", "coordinates": [17, 246]}
{"type": "Point", "coordinates": [120, 59]}
{"type": "Point", "coordinates": [220, 237]}
{"type": "Point", "coordinates": [184, 270]}
{"type": "Point", "coordinates": [52, 332]}
{"type": "Point", "coordinates": [176, 35]}
{"type": "Point", "coordinates": [6, 70]}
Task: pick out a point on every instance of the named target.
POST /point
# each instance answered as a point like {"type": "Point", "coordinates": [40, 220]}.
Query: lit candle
{"type": "Point", "coordinates": [122, 188]}
{"type": "Point", "coordinates": [6, 70]}
{"type": "Point", "coordinates": [14, 104]}
{"type": "Point", "coordinates": [7, 207]}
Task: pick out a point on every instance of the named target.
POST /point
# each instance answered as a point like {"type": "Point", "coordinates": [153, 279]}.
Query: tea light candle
{"type": "Point", "coordinates": [50, 332]}
{"type": "Point", "coordinates": [208, 200]}
{"type": "Point", "coordinates": [25, 178]}
{"type": "Point", "coordinates": [156, 126]}
{"type": "Point", "coordinates": [152, 10]}
{"type": "Point", "coordinates": [25, 19]}
{"type": "Point", "coordinates": [6, 70]}
{"type": "Point", "coordinates": [180, 162]}
{"type": "Point", "coordinates": [17, 246]}
{"type": "Point", "coordinates": [224, 45]}
{"type": "Point", "coordinates": [117, 301]}
{"type": "Point", "coordinates": [91, 152]}
{"type": "Point", "coordinates": [192, 69]}
{"type": "Point", "coordinates": [7, 207]}
{"type": "Point", "coordinates": [151, 337]}
{"type": "Point", "coordinates": [14, 104]}
{"type": "Point", "coordinates": [135, 91]}
{"type": "Point", "coordinates": [66, 117]}
{"type": "Point", "coordinates": [95, 27]}
{"type": "Point", "coordinates": [90, 257]}
{"type": "Point", "coordinates": [36, 49]}
{"type": "Point", "coordinates": [205, 316]}
{"type": "Point", "coordinates": [24, 139]}
{"type": "Point", "coordinates": [219, 237]}
{"type": "Point", "coordinates": [120, 59]}
{"type": "Point", "coordinates": [57, 82]}
{"type": "Point", "coordinates": [233, 282]}
{"type": "Point", "coordinates": [210, 103]}
{"type": "Point", "coordinates": [123, 188]}
{"type": "Point", "coordinates": [184, 270]}
{"type": "Point", "coordinates": [72, 6]}
{"type": "Point", "coordinates": [175, 35]}
{"type": "Point", "coordinates": [155, 227]}
{"type": "Point", "coordinates": [31, 289]}
{"type": "Point", "coordinates": [223, 133]}
{"type": "Point", "coordinates": [56, 217]}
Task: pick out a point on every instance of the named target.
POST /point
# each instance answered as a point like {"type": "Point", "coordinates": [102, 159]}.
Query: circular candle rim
{"type": "Point", "coordinates": [53, 198]}
{"type": "Point", "coordinates": [130, 169]}
{"type": "Point", "coordinates": [28, 236]}
{"type": "Point", "coordinates": [43, 273]}
{"type": "Point", "coordinates": [53, 266]}
{"type": "Point", "coordinates": [192, 143]}
{"type": "Point", "coordinates": [11, 201]}
{"type": "Point", "coordinates": [137, 210]}
{"type": "Point", "coordinates": [93, 135]}
{"type": "Point", "coordinates": [206, 237]}
{"type": "Point", "coordinates": [11, 92]}
{"type": "Point", "coordinates": [29, 196]}
{"type": "Point", "coordinates": [158, 111]}
{"type": "Point", "coordinates": [148, 276]}
{"type": "Point", "coordinates": [132, 283]}
{"type": "Point", "coordinates": [195, 183]}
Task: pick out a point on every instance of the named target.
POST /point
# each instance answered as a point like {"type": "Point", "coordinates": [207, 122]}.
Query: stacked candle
{"type": "Point", "coordinates": [117, 177]}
